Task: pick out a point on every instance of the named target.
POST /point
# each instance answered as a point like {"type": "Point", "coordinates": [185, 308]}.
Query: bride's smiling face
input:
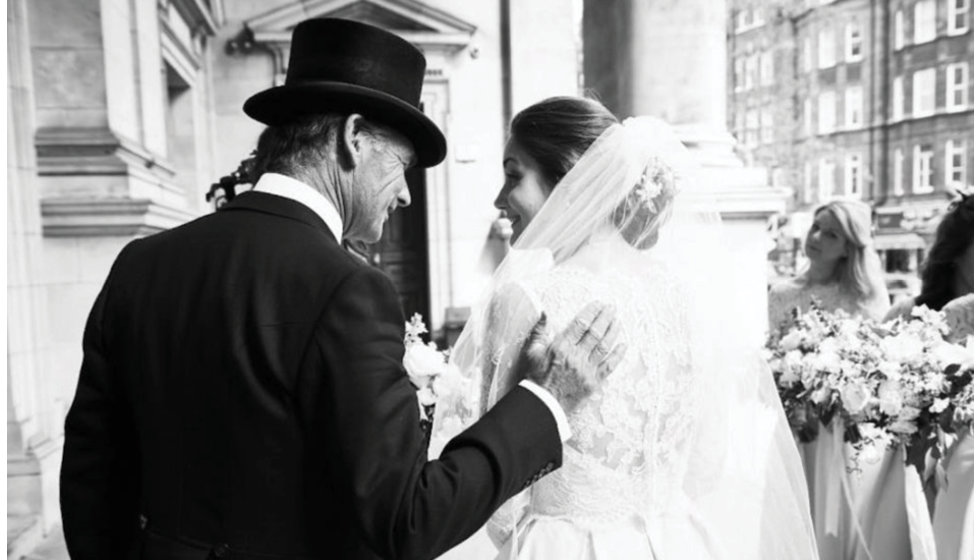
{"type": "Point", "coordinates": [524, 191]}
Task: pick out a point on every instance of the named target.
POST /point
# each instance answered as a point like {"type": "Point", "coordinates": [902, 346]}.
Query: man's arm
{"type": "Point", "coordinates": [99, 469]}
{"type": "Point", "coordinates": [407, 507]}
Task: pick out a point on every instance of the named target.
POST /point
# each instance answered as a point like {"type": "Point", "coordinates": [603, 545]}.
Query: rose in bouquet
{"type": "Point", "coordinates": [895, 384]}
{"type": "Point", "coordinates": [428, 369]}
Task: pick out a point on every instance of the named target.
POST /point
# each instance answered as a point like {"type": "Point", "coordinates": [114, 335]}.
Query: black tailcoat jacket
{"type": "Point", "coordinates": [242, 396]}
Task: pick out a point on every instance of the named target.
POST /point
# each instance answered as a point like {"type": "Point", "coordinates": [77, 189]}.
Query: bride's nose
{"type": "Point", "coordinates": [500, 203]}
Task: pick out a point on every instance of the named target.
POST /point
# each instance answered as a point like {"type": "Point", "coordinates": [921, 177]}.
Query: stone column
{"type": "Point", "coordinates": [667, 58]}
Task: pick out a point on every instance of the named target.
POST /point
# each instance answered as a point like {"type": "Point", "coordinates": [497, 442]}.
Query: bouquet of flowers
{"type": "Point", "coordinates": [428, 369]}
{"type": "Point", "coordinates": [897, 384]}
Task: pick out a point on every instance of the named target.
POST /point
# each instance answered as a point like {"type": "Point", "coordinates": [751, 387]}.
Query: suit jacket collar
{"type": "Point", "coordinates": [278, 206]}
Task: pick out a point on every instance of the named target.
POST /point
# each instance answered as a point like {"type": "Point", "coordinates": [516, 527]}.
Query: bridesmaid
{"type": "Point", "coordinates": [947, 285]}
{"type": "Point", "coordinates": [844, 271]}
{"type": "Point", "coordinates": [851, 511]}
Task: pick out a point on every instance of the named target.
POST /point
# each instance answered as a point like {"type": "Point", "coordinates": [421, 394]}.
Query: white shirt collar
{"type": "Point", "coordinates": [287, 187]}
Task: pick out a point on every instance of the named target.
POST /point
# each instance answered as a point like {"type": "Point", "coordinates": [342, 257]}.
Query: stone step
{"type": "Point", "coordinates": [24, 534]}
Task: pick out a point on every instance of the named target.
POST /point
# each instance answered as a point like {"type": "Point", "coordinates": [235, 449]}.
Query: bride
{"type": "Point", "coordinates": [684, 451]}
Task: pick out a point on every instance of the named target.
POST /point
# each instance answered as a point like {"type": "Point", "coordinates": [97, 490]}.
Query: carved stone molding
{"type": "Point", "coordinates": [122, 217]}
{"type": "Point", "coordinates": [429, 28]}
{"type": "Point", "coordinates": [95, 151]}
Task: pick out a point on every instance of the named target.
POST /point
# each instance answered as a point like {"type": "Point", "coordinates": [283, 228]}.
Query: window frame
{"type": "Point", "coordinates": [899, 29]}
{"type": "Point", "coordinates": [918, 156]}
{"type": "Point", "coordinates": [923, 31]}
{"type": "Point", "coordinates": [951, 14]}
{"type": "Point", "coordinates": [952, 89]}
{"type": "Point", "coordinates": [850, 42]}
{"type": "Point", "coordinates": [919, 89]}
{"type": "Point", "coordinates": [827, 125]}
{"type": "Point", "coordinates": [826, 48]}
{"type": "Point", "coordinates": [853, 103]}
{"type": "Point", "coordinates": [953, 150]}
{"type": "Point", "coordinates": [898, 168]}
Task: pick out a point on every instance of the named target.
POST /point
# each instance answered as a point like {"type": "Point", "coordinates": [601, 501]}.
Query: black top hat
{"type": "Point", "coordinates": [338, 65]}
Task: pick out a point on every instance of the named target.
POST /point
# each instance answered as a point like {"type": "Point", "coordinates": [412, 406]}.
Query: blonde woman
{"type": "Point", "coordinates": [856, 514]}
{"type": "Point", "coordinates": [844, 271]}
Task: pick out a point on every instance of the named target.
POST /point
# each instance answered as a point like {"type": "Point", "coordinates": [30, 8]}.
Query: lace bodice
{"type": "Point", "coordinates": [630, 439]}
{"type": "Point", "coordinates": [786, 295]}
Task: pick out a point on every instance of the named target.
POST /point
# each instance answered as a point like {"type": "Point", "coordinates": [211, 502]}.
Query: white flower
{"type": "Point", "coordinates": [890, 397]}
{"type": "Point", "coordinates": [939, 405]}
{"type": "Point", "coordinates": [902, 348]}
{"type": "Point", "coordinates": [903, 427]}
{"type": "Point", "coordinates": [891, 370]}
{"type": "Point", "coordinates": [948, 354]}
{"type": "Point", "coordinates": [827, 361]}
{"type": "Point", "coordinates": [829, 346]}
{"type": "Point", "coordinates": [788, 377]}
{"type": "Point", "coordinates": [423, 361]}
{"type": "Point", "coordinates": [820, 396]}
{"type": "Point", "coordinates": [855, 397]}
{"type": "Point", "coordinates": [791, 341]}
{"type": "Point", "coordinates": [426, 396]}
{"type": "Point", "coordinates": [451, 382]}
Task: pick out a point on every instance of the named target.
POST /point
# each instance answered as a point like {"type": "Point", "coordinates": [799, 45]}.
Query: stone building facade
{"type": "Point", "coordinates": [861, 99]}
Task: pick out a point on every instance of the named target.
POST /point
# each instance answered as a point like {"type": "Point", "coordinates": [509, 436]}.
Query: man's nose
{"type": "Point", "coordinates": [404, 197]}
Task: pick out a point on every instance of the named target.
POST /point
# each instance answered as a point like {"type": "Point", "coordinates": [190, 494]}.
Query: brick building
{"type": "Point", "coordinates": [866, 99]}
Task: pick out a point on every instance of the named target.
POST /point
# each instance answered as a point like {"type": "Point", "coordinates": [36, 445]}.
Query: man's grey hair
{"type": "Point", "coordinates": [301, 144]}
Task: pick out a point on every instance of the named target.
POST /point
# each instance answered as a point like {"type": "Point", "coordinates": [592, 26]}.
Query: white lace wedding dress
{"type": "Point", "coordinates": [683, 452]}
{"type": "Point", "coordinates": [620, 492]}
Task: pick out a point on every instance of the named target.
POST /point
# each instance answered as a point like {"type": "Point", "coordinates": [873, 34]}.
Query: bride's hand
{"type": "Point", "coordinates": [573, 365]}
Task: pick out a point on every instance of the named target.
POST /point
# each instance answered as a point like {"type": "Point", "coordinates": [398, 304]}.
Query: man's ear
{"type": "Point", "coordinates": [353, 140]}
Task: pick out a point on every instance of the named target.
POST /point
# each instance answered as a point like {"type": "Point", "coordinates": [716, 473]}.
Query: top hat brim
{"type": "Point", "coordinates": [279, 105]}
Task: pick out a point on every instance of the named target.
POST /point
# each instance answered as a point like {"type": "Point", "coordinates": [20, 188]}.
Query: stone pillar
{"type": "Point", "coordinates": [667, 59]}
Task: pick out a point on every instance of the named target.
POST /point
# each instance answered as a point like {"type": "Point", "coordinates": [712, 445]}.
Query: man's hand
{"type": "Point", "coordinates": [574, 364]}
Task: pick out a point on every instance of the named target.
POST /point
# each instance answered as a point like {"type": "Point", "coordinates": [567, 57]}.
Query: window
{"type": "Point", "coordinates": [922, 169]}
{"type": "Point", "coordinates": [765, 69]}
{"type": "Point", "coordinates": [898, 162]}
{"type": "Point", "coordinates": [825, 45]}
{"type": "Point", "coordinates": [807, 116]}
{"type": "Point", "coordinates": [741, 20]}
{"type": "Point", "coordinates": [806, 55]}
{"type": "Point", "coordinates": [959, 19]}
{"type": "Point", "coordinates": [752, 127]}
{"type": "Point", "coordinates": [898, 98]}
{"type": "Point", "coordinates": [955, 164]}
{"type": "Point", "coordinates": [825, 180]}
{"type": "Point", "coordinates": [739, 73]}
{"type": "Point", "coordinates": [925, 21]}
{"type": "Point", "coordinates": [924, 92]}
{"type": "Point", "coordinates": [899, 30]}
{"type": "Point", "coordinates": [956, 83]}
{"type": "Point", "coordinates": [807, 183]}
{"type": "Point", "coordinates": [751, 69]}
{"type": "Point", "coordinates": [852, 42]}
{"type": "Point", "coordinates": [826, 112]}
{"type": "Point", "coordinates": [765, 126]}
{"type": "Point", "coordinates": [852, 176]}
{"type": "Point", "coordinates": [853, 106]}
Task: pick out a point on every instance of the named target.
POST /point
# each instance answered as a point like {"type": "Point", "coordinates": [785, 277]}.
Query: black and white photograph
{"type": "Point", "coordinates": [490, 279]}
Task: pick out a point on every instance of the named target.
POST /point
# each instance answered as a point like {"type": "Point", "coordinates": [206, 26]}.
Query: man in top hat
{"type": "Point", "coordinates": [242, 394]}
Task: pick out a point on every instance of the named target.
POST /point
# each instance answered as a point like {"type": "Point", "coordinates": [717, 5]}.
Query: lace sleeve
{"type": "Point", "coordinates": [512, 315]}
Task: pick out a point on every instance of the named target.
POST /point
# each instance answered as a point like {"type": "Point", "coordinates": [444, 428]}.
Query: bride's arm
{"type": "Point", "coordinates": [512, 314]}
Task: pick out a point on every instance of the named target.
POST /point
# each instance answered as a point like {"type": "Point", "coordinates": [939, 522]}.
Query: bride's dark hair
{"type": "Point", "coordinates": [557, 131]}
